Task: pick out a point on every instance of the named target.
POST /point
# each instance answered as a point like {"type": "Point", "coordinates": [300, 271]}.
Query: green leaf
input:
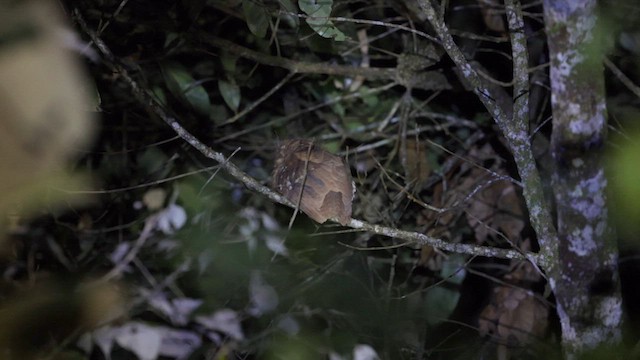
{"type": "Point", "coordinates": [370, 99]}
{"type": "Point", "coordinates": [290, 6]}
{"type": "Point", "coordinates": [453, 269]}
{"type": "Point", "coordinates": [337, 107]}
{"type": "Point", "coordinates": [332, 146]}
{"type": "Point", "coordinates": [326, 29]}
{"type": "Point", "coordinates": [352, 123]}
{"type": "Point", "coordinates": [229, 63]}
{"type": "Point", "coordinates": [159, 95]}
{"type": "Point", "coordinates": [185, 88]}
{"type": "Point", "coordinates": [316, 8]}
{"type": "Point", "coordinates": [198, 97]}
{"type": "Point", "coordinates": [219, 113]}
{"type": "Point", "coordinates": [153, 162]}
{"type": "Point", "coordinates": [319, 13]}
{"type": "Point", "coordinates": [256, 16]}
{"type": "Point", "coordinates": [230, 93]}
{"type": "Point", "coordinates": [439, 303]}
{"type": "Point", "coordinates": [624, 173]}
{"type": "Point", "coordinates": [172, 40]}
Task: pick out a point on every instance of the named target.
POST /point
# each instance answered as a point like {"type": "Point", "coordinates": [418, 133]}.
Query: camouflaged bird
{"type": "Point", "coordinates": [328, 187]}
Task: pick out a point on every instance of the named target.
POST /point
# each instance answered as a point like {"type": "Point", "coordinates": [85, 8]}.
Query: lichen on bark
{"type": "Point", "coordinates": [587, 287]}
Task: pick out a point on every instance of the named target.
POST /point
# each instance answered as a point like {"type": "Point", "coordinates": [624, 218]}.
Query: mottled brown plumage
{"type": "Point", "coordinates": [328, 188]}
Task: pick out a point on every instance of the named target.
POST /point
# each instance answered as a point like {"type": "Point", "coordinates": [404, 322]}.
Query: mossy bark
{"type": "Point", "coordinates": [587, 287]}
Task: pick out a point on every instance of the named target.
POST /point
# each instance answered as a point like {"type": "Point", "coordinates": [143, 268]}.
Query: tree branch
{"type": "Point", "coordinates": [431, 80]}
{"type": "Point", "coordinates": [514, 128]}
{"type": "Point", "coordinates": [624, 79]}
{"type": "Point", "coordinates": [520, 144]}
{"type": "Point", "coordinates": [587, 243]}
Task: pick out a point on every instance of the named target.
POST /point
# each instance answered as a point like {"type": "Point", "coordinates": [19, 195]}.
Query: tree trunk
{"type": "Point", "coordinates": [587, 286]}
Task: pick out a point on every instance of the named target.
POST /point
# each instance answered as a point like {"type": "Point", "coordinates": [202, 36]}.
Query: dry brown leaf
{"type": "Point", "coordinates": [491, 14]}
{"type": "Point", "coordinates": [523, 271]}
{"type": "Point", "coordinates": [496, 207]}
{"type": "Point", "coordinates": [514, 316]}
{"type": "Point", "coordinates": [328, 187]}
{"type": "Point", "coordinates": [439, 224]}
{"type": "Point", "coordinates": [416, 163]}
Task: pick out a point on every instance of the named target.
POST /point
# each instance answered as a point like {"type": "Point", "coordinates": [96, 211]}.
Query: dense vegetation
{"type": "Point", "coordinates": [168, 240]}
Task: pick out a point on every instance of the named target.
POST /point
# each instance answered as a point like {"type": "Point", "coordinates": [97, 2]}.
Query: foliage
{"type": "Point", "coordinates": [175, 258]}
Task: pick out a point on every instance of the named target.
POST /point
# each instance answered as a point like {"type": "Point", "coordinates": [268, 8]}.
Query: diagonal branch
{"type": "Point", "coordinates": [428, 80]}
{"type": "Point", "coordinates": [302, 67]}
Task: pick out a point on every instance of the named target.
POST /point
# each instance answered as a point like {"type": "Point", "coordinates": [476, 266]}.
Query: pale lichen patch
{"type": "Point", "coordinates": [467, 71]}
{"type": "Point", "coordinates": [592, 125]}
{"type": "Point", "coordinates": [581, 241]}
{"type": "Point", "coordinates": [577, 163]}
{"type": "Point", "coordinates": [564, 66]}
{"type": "Point", "coordinates": [589, 196]}
{"type": "Point", "coordinates": [574, 109]}
{"type": "Point", "coordinates": [610, 311]}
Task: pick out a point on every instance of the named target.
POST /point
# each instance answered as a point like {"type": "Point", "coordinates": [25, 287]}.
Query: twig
{"type": "Point", "coordinates": [264, 97]}
{"type": "Point", "coordinates": [480, 87]}
{"type": "Point", "coordinates": [138, 186]}
{"type": "Point", "coordinates": [283, 119]}
{"type": "Point", "coordinates": [369, 22]}
{"type": "Point", "coordinates": [149, 225]}
{"type": "Point", "coordinates": [304, 181]}
{"type": "Point", "coordinates": [299, 67]}
{"type": "Point", "coordinates": [216, 172]}
{"type": "Point", "coordinates": [519, 142]}
{"type": "Point", "coordinates": [624, 79]}
{"type": "Point", "coordinates": [303, 67]}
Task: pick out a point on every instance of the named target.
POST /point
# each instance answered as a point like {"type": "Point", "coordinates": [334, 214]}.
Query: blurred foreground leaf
{"type": "Point", "coordinates": [44, 99]}
{"type": "Point", "coordinates": [624, 175]}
